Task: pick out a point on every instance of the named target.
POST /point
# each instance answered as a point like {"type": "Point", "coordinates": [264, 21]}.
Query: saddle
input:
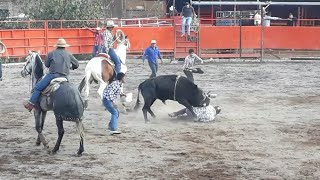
{"type": "Point", "coordinates": [53, 86]}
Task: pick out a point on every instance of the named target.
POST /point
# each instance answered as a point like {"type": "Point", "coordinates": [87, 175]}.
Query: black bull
{"type": "Point", "coordinates": [170, 87]}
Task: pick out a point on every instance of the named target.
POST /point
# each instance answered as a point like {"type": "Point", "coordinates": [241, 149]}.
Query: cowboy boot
{"type": "Point", "coordinates": [29, 106]}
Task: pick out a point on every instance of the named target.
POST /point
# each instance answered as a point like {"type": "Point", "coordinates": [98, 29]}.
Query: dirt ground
{"type": "Point", "coordinates": [269, 128]}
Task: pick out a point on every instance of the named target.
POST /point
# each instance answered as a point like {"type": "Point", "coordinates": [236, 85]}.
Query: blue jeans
{"type": "Point", "coordinates": [96, 50]}
{"type": "Point", "coordinates": [183, 26]}
{"type": "Point", "coordinates": [114, 57]}
{"type": "Point", "coordinates": [113, 124]}
{"type": "Point", "coordinates": [154, 69]}
{"type": "Point", "coordinates": [41, 85]}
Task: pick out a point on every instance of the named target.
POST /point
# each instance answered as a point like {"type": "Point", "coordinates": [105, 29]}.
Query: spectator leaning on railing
{"type": "Point", "coordinates": [268, 18]}
{"type": "Point", "coordinates": [292, 21]}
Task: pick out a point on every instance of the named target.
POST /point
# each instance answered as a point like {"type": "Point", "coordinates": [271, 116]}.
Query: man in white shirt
{"type": "Point", "coordinates": [188, 65]}
{"type": "Point", "coordinates": [268, 18]}
{"type": "Point", "coordinates": [257, 18]}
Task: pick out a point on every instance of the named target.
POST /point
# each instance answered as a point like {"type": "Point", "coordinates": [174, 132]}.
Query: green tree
{"type": "Point", "coordinates": [62, 9]}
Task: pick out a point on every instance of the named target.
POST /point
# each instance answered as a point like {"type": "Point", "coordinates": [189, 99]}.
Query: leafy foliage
{"type": "Point", "coordinates": [62, 9]}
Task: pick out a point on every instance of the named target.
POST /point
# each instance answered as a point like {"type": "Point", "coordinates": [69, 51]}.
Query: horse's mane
{"type": "Point", "coordinates": [38, 67]}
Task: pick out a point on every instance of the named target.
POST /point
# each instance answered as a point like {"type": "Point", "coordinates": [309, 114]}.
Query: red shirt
{"type": "Point", "coordinates": [98, 39]}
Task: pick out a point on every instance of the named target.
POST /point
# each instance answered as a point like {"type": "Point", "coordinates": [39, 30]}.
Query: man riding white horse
{"type": "Point", "coordinates": [109, 39]}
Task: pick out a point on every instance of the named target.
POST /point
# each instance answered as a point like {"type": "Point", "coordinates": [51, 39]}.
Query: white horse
{"type": "Point", "coordinates": [94, 69]}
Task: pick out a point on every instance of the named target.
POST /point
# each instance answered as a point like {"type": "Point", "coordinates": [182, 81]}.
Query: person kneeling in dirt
{"type": "Point", "coordinates": [203, 114]}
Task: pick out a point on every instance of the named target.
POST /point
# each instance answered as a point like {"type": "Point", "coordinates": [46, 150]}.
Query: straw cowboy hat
{"type": "Point", "coordinates": [153, 41]}
{"type": "Point", "coordinates": [171, 8]}
{"type": "Point", "coordinates": [2, 48]}
{"type": "Point", "coordinates": [61, 43]}
{"type": "Point", "coordinates": [110, 23]}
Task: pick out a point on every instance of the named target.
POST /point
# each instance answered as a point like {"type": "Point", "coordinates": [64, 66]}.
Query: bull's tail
{"type": "Point", "coordinates": [82, 84]}
{"type": "Point", "coordinates": [137, 106]}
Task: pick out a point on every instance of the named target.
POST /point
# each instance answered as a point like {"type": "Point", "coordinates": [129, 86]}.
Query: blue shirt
{"type": "Point", "coordinates": [152, 54]}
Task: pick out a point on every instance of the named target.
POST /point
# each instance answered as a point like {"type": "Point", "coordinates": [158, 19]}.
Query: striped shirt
{"type": "Point", "coordinates": [112, 91]}
{"type": "Point", "coordinates": [189, 61]}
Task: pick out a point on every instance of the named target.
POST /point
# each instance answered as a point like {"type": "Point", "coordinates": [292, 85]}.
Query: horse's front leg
{"type": "Point", "coordinates": [39, 122]}
{"type": "Point", "coordinates": [59, 123]}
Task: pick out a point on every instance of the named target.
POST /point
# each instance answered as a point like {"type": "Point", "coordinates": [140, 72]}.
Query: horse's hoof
{"type": "Point", "coordinates": [147, 122]}
{"type": "Point", "coordinates": [46, 148]}
{"type": "Point", "coordinates": [38, 143]}
{"type": "Point", "coordinates": [86, 104]}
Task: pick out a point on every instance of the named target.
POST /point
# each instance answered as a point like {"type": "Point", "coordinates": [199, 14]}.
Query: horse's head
{"type": "Point", "coordinates": [32, 60]}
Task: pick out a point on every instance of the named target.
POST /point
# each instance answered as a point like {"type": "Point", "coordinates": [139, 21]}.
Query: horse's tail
{"type": "Point", "coordinates": [82, 84]}
{"type": "Point", "coordinates": [137, 106]}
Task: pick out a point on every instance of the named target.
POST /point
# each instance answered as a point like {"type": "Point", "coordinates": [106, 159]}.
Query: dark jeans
{"type": "Point", "coordinates": [114, 57]}
{"type": "Point", "coordinates": [189, 75]}
{"type": "Point", "coordinates": [96, 50]}
{"type": "Point", "coordinates": [41, 85]}
{"type": "Point", "coordinates": [154, 69]}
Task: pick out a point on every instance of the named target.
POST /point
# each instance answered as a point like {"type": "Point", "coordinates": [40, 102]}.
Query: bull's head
{"type": "Point", "coordinates": [206, 98]}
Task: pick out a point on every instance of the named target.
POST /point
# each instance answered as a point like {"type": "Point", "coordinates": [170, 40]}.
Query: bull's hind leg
{"type": "Point", "coordinates": [59, 124]}
{"type": "Point", "coordinates": [146, 108]}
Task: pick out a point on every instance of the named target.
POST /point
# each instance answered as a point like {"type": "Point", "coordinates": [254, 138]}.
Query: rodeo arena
{"type": "Point", "coordinates": [207, 90]}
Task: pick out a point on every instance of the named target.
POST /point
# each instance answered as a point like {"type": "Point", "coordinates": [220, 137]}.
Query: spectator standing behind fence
{"type": "Point", "coordinates": [188, 65]}
{"type": "Point", "coordinates": [152, 53]}
{"type": "Point", "coordinates": [173, 11]}
{"type": "Point", "coordinates": [292, 21]}
{"type": "Point", "coordinates": [257, 18]}
{"type": "Point", "coordinates": [98, 41]}
{"type": "Point", "coordinates": [187, 15]}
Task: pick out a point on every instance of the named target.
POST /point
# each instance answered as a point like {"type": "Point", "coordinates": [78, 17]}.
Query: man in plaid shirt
{"type": "Point", "coordinates": [109, 39]}
{"type": "Point", "coordinates": [110, 94]}
{"type": "Point", "coordinates": [188, 65]}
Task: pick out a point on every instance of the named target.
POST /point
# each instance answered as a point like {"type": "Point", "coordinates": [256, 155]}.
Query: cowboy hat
{"type": "Point", "coordinates": [98, 28]}
{"type": "Point", "coordinates": [171, 8]}
{"type": "Point", "coordinates": [110, 23]}
{"type": "Point", "coordinates": [61, 43]}
{"type": "Point", "coordinates": [2, 48]}
{"type": "Point", "coordinates": [153, 41]}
